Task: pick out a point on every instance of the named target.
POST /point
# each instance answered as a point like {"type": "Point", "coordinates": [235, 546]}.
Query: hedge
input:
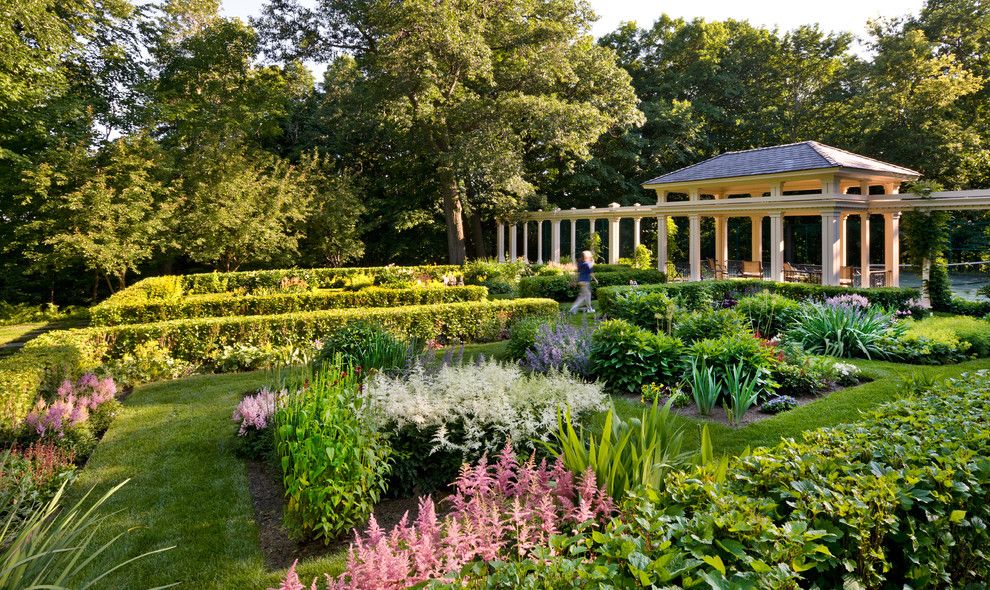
{"type": "Point", "coordinates": [899, 500]}
{"type": "Point", "coordinates": [697, 294]}
{"type": "Point", "coordinates": [564, 287]}
{"type": "Point", "coordinates": [112, 312]}
{"type": "Point", "coordinates": [961, 306]}
{"type": "Point", "coordinates": [47, 359]}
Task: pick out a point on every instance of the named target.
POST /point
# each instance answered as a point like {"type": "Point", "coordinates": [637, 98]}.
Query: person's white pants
{"type": "Point", "coordinates": [584, 298]}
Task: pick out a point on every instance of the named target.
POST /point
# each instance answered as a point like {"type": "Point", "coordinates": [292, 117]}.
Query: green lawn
{"type": "Point", "coordinates": [174, 440]}
{"type": "Point", "coordinates": [15, 333]}
{"type": "Point", "coordinates": [187, 488]}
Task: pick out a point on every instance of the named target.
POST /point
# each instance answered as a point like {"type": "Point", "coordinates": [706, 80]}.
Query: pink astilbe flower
{"type": "Point", "coordinates": [499, 511]}
{"type": "Point", "coordinates": [72, 405]}
{"type": "Point", "coordinates": [292, 581]}
{"type": "Point", "coordinates": [256, 411]}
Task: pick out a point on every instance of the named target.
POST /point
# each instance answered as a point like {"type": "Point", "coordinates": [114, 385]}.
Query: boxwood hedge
{"type": "Point", "coordinates": [565, 287]}
{"type": "Point", "coordinates": [113, 312]}
{"type": "Point", "coordinates": [44, 361]}
{"type": "Point", "coordinates": [899, 500]}
{"type": "Point", "coordinates": [699, 294]}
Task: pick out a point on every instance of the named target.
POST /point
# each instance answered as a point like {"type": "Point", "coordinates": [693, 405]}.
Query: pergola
{"type": "Point", "coordinates": [798, 179]}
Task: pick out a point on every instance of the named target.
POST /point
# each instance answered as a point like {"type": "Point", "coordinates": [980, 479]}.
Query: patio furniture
{"type": "Point", "coordinates": [846, 276]}
{"type": "Point", "coordinates": [719, 271]}
{"type": "Point", "coordinates": [751, 269]}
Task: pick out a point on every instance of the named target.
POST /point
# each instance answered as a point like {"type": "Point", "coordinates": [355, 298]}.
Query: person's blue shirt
{"type": "Point", "coordinates": [584, 271]}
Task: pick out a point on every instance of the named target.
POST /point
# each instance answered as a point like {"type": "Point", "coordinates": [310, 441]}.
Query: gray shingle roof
{"type": "Point", "coordinates": [792, 157]}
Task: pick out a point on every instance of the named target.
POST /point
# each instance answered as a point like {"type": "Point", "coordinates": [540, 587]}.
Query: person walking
{"type": "Point", "coordinates": [585, 271]}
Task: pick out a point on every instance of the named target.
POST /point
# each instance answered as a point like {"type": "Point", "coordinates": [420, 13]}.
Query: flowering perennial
{"type": "Point", "coordinates": [255, 411]}
{"type": "Point", "coordinates": [850, 300]}
{"type": "Point", "coordinates": [476, 408]}
{"type": "Point", "coordinates": [500, 511]}
{"type": "Point", "coordinates": [72, 405]}
{"type": "Point", "coordinates": [560, 347]}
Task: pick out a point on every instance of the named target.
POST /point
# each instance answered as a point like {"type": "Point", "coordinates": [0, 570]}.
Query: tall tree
{"type": "Point", "coordinates": [485, 93]}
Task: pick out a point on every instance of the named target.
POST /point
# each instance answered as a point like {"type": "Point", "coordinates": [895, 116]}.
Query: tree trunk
{"type": "Point", "coordinates": [479, 237]}
{"type": "Point", "coordinates": [453, 211]}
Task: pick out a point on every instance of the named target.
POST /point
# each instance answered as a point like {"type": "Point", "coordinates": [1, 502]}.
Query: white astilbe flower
{"type": "Point", "coordinates": [475, 408]}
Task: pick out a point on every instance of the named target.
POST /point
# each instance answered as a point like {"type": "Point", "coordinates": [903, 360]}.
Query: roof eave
{"type": "Point", "coordinates": [907, 175]}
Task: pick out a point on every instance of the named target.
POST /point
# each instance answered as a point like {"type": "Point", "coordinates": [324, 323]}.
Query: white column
{"type": "Point", "coordinates": [636, 228]}
{"type": "Point", "coordinates": [513, 246]}
{"type": "Point", "coordinates": [843, 240]}
{"type": "Point", "coordinates": [539, 242]}
{"type": "Point", "coordinates": [574, 241]}
{"type": "Point", "coordinates": [864, 250]}
{"type": "Point", "coordinates": [756, 242]}
{"type": "Point", "coordinates": [500, 241]}
{"type": "Point", "coordinates": [555, 240]}
{"type": "Point", "coordinates": [591, 232]}
{"type": "Point", "coordinates": [613, 241]}
{"type": "Point", "coordinates": [892, 248]}
{"type": "Point", "coordinates": [526, 241]}
{"type": "Point", "coordinates": [830, 247]}
{"type": "Point", "coordinates": [695, 246]}
{"type": "Point", "coordinates": [662, 243]}
{"type": "Point", "coordinates": [776, 246]}
{"type": "Point", "coordinates": [721, 241]}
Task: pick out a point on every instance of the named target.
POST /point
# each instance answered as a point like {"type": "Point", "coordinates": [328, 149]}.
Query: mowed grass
{"type": "Point", "coordinates": [16, 332]}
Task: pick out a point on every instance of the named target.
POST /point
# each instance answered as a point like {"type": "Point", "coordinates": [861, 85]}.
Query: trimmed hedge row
{"type": "Point", "coordinates": [172, 287]}
{"type": "Point", "coordinates": [961, 306]}
{"type": "Point", "coordinates": [46, 360]}
{"type": "Point", "coordinates": [899, 500]}
{"type": "Point", "coordinates": [698, 294]}
{"type": "Point", "coordinates": [564, 287]}
{"type": "Point", "coordinates": [110, 313]}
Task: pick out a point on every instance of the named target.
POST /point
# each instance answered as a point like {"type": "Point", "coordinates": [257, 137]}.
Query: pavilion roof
{"type": "Point", "coordinates": [792, 157]}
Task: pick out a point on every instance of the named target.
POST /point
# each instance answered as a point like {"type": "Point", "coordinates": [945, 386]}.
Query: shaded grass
{"type": "Point", "coordinates": [9, 334]}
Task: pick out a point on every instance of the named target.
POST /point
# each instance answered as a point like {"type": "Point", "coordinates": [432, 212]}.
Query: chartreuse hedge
{"type": "Point", "coordinates": [564, 287]}
{"type": "Point", "coordinates": [47, 359]}
{"type": "Point", "coordinates": [172, 287]}
{"type": "Point", "coordinates": [113, 312]}
{"type": "Point", "coordinates": [701, 293]}
{"type": "Point", "coordinates": [899, 500]}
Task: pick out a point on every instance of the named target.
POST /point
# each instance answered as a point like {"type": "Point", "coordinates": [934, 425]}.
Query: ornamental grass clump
{"type": "Point", "coordinates": [506, 510]}
{"type": "Point", "coordinates": [845, 329]}
{"type": "Point", "coordinates": [334, 462]}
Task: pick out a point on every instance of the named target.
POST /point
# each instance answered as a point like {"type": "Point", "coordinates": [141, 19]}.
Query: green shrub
{"type": "Point", "coordinates": [334, 463]}
{"type": "Point", "coordinates": [696, 295]}
{"type": "Point", "coordinates": [112, 312]}
{"type": "Point", "coordinates": [961, 306]}
{"type": "Point", "coordinates": [625, 356]}
{"type": "Point", "coordinates": [149, 362]}
{"type": "Point", "coordinates": [498, 277]}
{"type": "Point", "coordinates": [769, 314]}
{"type": "Point", "coordinates": [844, 330]}
{"type": "Point", "coordinates": [724, 353]}
{"type": "Point", "coordinates": [652, 310]}
{"type": "Point", "coordinates": [35, 370]}
{"type": "Point", "coordinates": [857, 506]}
{"type": "Point", "coordinates": [23, 313]}
{"type": "Point", "coordinates": [270, 281]}
{"type": "Point", "coordinates": [809, 376]}
{"type": "Point", "coordinates": [701, 325]}
{"type": "Point", "coordinates": [565, 287]}
{"type": "Point", "coordinates": [366, 347]}
{"type": "Point", "coordinates": [923, 350]}
{"type": "Point", "coordinates": [974, 332]}
{"type": "Point", "coordinates": [522, 335]}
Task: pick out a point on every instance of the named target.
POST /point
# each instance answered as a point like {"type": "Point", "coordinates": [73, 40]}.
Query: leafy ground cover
{"type": "Point", "coordinates": [189, 488]}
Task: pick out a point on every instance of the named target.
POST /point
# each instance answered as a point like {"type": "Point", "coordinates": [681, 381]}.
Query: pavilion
{"type": "Point", "coordinates": [798, 179]}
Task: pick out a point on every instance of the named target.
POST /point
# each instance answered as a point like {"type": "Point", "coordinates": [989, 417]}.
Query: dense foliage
{"type": "Point", "coordinates": [835, 509]}
{"type": "Point", "coordinates": [334, 462]}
